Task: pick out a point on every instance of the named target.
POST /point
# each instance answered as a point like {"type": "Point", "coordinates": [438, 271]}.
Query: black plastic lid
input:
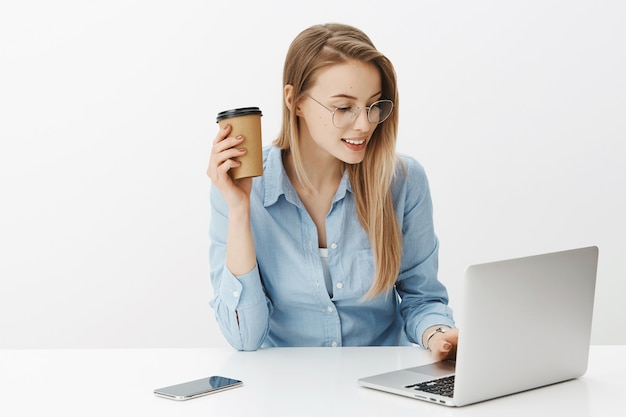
{"type": "Point", "coordinates": [243, 111]}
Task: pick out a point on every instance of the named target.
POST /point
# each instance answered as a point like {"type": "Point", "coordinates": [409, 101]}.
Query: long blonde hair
{"type": "Point", "coordinates": [321, 46]}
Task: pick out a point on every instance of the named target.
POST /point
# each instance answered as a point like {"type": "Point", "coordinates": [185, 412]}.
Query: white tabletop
{"type": "Point", "coordinates": [277, 382]}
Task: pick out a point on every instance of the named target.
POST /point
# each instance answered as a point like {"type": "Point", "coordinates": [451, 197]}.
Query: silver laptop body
{"type": "Point", "coordinates": [525, 323]}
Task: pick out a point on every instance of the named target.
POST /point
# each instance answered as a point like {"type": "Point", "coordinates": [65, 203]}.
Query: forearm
{"type": "Point", "coordinates": [240, 305]}
{"type": "Point", "coordinates": [240, 253]}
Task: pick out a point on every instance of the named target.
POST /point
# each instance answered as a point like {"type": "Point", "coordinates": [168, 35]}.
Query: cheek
{"type": "Point", "coordinates": [321, 126]}
{"type": "Point", "coordinates": [324, 122]}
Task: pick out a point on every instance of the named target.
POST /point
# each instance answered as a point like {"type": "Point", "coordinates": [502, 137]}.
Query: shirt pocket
{"type": "Point", "coordinates": [359, 274]}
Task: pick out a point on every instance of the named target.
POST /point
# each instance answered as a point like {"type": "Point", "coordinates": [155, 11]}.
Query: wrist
{"type": "Point", "coordinates": [239, 214]}
{"type": "Point", "coordinates": [432, 332]}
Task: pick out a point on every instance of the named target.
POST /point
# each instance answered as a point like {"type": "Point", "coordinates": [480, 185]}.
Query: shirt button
{"type": "Point", "coordinates": [334, 344]}
{"type": "Point", "coordinates": [333, 246]}
{"type": "Point", "coordinates": [330, 309]}
{"type": "Point", "coordinates": [339, 285]}
{"type": "Point", "coordinates": [235, 294]}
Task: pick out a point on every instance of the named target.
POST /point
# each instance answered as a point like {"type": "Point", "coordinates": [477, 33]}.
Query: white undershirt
{"type": "Point", "coordinates": [327, 280]}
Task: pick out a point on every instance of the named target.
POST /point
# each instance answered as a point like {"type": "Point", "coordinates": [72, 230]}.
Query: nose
{"type": "Point", "coordinates": [361, 122]}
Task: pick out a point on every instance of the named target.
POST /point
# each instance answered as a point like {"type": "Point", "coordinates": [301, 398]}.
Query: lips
{"type": "Point", "coordinates": [354, 141]}
{"type": "Point", "coordinates": [355, 144]}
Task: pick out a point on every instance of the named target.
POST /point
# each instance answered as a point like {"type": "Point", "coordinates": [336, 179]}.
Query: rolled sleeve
{"type": "Point", "coordinates": [241, 308]}
{"type": "Point", "coordinates": [424, 298]}
{"type": "Point", "coordinates": [241, 292]}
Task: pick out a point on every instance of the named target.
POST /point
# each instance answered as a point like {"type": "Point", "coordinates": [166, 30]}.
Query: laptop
{"type": "Point", "coordinates": [525, 323]}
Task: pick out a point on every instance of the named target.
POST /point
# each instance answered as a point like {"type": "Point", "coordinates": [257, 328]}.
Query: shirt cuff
{"type": "Point", "coordinates": [243, 291]}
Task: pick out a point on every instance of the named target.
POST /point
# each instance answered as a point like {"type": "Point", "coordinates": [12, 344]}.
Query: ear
{"type": "Point", "coordinates": [289, 100]}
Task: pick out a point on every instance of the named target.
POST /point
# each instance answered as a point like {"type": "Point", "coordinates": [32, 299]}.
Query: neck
{"type": "Point", "coordinates": [323, 171]}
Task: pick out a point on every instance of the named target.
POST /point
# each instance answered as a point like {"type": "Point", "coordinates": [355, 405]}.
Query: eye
{"type": "Point", "coordinates": [346, 109]}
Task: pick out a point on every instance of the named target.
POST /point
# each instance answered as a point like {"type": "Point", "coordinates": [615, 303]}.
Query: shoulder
{"type": "Point", "coordinates": [269, 186]}
{"type": "Point", "coordinates": [272, 161]}
{"type": "Point", "coordinates": [410, 184]}
{"type": "Point", "coordinates": [409, 170]}
{"type": "Point", "coordinates": [268, 150]}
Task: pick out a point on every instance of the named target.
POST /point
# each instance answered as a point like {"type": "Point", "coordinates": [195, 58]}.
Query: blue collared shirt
{"type": "Point", "coordinates": [284, 300]}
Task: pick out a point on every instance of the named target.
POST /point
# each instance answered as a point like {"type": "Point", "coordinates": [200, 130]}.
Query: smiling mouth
{"type": "Point", "coordinates": [354, 142]}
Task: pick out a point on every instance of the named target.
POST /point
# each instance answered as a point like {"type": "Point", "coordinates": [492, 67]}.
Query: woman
{"type": "Point", "coordinates": [334, 245]}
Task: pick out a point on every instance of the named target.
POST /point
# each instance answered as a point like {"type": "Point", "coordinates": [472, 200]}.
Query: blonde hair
{"type": "Point", "coordinates": [321, 46]}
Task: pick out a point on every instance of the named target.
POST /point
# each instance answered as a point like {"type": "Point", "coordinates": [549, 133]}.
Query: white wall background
{"type": "Point", "coordinates": [516, 109]}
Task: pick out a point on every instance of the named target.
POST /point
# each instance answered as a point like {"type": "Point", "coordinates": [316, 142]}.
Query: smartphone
{"type": "Point", "coordinates": [197, 388]}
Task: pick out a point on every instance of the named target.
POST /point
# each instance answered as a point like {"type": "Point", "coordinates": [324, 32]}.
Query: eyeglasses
{"type": "Point", "coordinates": [344, 116]}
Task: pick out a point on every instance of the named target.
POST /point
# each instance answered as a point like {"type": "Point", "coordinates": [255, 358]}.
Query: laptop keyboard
{"type": "Point", "coordinates": [442, 386]}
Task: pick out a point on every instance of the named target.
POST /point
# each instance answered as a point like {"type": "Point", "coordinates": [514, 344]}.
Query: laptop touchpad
{"type": "Point", "coordinates": [437, 369]}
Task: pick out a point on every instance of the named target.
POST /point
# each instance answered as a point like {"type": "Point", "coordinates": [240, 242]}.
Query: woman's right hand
{"type": "Point", "coordinates": [225, 149]}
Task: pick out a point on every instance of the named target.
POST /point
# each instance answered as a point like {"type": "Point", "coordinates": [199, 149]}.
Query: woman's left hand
{"type": "Point", "coordinates": [443, 345]}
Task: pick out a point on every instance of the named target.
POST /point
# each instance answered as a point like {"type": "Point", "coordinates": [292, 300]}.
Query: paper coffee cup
{"type": "Point", "coordinates": [245, 121]}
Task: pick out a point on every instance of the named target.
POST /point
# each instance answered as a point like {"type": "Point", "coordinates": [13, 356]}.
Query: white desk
{"type": "Point", "coordinates": [277, 382]}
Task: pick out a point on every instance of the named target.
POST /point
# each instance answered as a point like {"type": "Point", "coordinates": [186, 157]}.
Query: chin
{"type": "Point", "coordinates": [353, 160]}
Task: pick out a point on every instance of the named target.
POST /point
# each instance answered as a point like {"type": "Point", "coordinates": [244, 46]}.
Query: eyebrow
{"type": "Point", "coordinates": [354, 98]}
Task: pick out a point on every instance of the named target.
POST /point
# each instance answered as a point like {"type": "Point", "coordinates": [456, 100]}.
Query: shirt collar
{"type": "Point", "coordinates": [277, 183]}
